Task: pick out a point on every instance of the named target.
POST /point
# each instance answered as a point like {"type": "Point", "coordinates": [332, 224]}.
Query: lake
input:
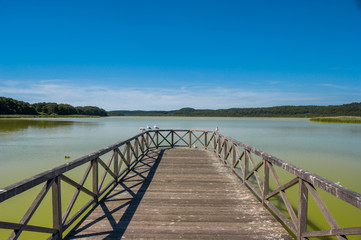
{"type": "Point", "coordinates": [30, 146]}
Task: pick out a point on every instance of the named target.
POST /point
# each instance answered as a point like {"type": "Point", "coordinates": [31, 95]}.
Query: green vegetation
{"type": "Point", "coordinates": [14, 108]}
{"type": "Point", "coordinates": [48, 116]}
{"type": "Point", "coordinates": [340, 119]}
{"type": "Point", "coordinates": [352, 109]}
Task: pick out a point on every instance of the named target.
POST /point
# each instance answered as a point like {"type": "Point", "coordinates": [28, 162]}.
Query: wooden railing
{"type": "Point", "coordinates": [240, 157]}
{"type": "Point", "coordinates": [101, 176]}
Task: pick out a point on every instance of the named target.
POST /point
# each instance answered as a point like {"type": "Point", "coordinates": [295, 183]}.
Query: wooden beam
{"type": "Point", "coordinates": [31, 228]}
{"type": "Point", "coordinates": [57, 211]}
{"type": "Point", "coordinates": [30, 212]}
{"type": "Point", "coordinates": [333, 232]}
{"type": "Point", "coordinates": [302, 210]}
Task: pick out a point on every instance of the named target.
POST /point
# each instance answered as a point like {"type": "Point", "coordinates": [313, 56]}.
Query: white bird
{"type": "Point", "coordinates": [216, 129]}
{"type": "Point", "coordinates": [149, 128]}
{"type": "Point", "coordinates": [142, 129]}
{"type": "Point", "coordinates": [155, 127]}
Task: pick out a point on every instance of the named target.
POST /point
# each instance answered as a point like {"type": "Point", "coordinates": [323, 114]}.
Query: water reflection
{"type": "Point", "coordinates": [8, 126]}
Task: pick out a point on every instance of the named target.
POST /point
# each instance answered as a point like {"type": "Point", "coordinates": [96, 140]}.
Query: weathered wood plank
{"type": "Point", "coordinates": [184, 193]}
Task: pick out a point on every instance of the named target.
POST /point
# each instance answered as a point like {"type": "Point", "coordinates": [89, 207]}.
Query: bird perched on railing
{"type": "Point", "coordinates": [155, 127]}
{"type": "Point", "coordinates": [149, 128]}
{"type": "Point", "coordinates": [142, 129]}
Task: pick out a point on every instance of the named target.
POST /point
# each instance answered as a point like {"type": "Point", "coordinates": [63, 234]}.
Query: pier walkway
{"type": "Point", "coordinates": [180, 193]}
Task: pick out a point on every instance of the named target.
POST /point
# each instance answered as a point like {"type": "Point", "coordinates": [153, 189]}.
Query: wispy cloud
{"type": "Point", "coordinates": [113, 98]}
{"type": "Point", "coordinates": [336, 86]}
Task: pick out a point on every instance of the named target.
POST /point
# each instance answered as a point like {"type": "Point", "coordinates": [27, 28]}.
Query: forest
{"type": "Point", "coordinates": [352, 109]}
{"type": "Point", "coordinates": [9, 106]}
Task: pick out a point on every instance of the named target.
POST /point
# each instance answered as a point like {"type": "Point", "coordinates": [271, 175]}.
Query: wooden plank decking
{"type": "Point", "coordinates": [180, 193]}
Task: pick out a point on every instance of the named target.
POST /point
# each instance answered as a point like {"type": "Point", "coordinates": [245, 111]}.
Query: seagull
{"type": "Point", "coordinates": [149, 128]}
{"type": "Point", "coordinates": [216, 129]}
{"type": "Point", "coordinates": [155, 127]}
{"type": "Point", "coordinates": [142, 129]}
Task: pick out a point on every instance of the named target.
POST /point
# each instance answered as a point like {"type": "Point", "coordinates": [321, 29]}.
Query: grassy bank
{"type": "Point", "coordinates": [48, 116]}
{"type": "Point", "coordinates": [340, 119]}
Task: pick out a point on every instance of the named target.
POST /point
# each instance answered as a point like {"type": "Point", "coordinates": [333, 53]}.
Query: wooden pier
{"type": "Point", "coordinates": [177, 184]}
{"type": "Point", "coordinates": [180, 194]}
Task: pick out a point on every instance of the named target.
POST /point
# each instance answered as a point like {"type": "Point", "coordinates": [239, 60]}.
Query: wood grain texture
{"type": "Point", "coordinates": [180, 193]}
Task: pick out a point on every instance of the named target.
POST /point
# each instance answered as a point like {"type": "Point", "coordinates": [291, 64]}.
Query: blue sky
{"type": "Point", "coordinates": [164, 55]}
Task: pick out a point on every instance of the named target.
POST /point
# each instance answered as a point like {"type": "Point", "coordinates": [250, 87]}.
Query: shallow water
{"type": "Point", "coordinates": [30, 146]}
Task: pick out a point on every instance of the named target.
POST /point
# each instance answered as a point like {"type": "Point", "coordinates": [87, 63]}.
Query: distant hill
{"type": "Point", "coordinates": [352, 109]}
{"type": "Point", "coordinates": [9, 106]}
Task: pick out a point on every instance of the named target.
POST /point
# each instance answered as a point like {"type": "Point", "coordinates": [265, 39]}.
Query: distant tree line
{"type": "Point", "coordinates": [9, 106]}
{"type": "Point", "coordinates": [352, 109]}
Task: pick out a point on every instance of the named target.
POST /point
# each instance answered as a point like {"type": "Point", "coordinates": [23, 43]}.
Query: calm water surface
{"type": "Point", "coordinates": [30, 146]}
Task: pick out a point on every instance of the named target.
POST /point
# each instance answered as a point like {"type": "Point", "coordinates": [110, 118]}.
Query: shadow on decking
{"type": "Point", "coordinates": [145, 169]}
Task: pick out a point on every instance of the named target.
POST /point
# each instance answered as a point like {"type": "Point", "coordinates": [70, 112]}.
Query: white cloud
{"type": "Point", "coordinates": [336, 86]}
{"type": "Point", "coordinates": [114, 98]}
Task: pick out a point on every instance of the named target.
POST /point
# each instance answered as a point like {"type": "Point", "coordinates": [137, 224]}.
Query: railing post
{"type": "Point", "coordinates": [190, 138]}
{"type": "Point", "coordinates": [205, 140]}
{"type": "Point", "coordinates": [156, 139]}
{"type": "Point", "coordinates": [128, 155]}
{"type": "Point", "coordinates": [95, 179]}
{"type": "Point", "coordinates": [265, 181]}
{"type": "Point", "coordinates": [136, 148]}
{"type": "Point", "coordinates": [116, 166]}
{"type": "Point", "coordinates": [172, 138]}
{"type": "Point", "coordinates": [225, 151]}
{"type": "Point", "coordinates": [147, 140]}
{"type": "Point", "coordinates": [245, 170]}
{"type": "Point", "coordinates": [215, 142]}
{"type": "Point", "coordinates": [142, 143]}
{"type": "Point", "coordinates": [234, 155]}
{"type": "Point", "coordinates": [57, 212]}
{"type": "Point", "coordinates": [217, 146]}
{"type": "Point", "coordinates": [302, 209]}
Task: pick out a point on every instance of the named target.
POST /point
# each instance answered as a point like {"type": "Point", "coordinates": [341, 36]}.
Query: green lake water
{"type": "Point", "coordinates": [333, 151]}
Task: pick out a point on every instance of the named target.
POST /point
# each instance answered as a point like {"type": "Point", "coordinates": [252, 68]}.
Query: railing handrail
{"type": "Point", "coordinates": [336, 190]}
{"type": "Point", "coordinates": [33, 181]}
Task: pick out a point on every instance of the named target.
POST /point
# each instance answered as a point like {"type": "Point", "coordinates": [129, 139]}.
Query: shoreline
{"type": "Point", "coordinates": [335, 119]}
{"type": "Point", "coordinates": [338, 119]}
{"type": "Point", "coordinates": [17, 116]}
